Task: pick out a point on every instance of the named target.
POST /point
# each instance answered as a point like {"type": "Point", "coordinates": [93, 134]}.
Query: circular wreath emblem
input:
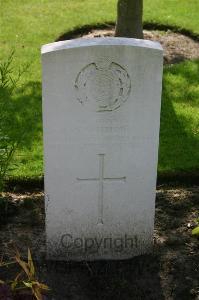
{"type": "Point", "coordinates": [102, 86]}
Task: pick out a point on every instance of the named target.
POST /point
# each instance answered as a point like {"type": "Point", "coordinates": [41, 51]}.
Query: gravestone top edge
{"type": "Point", "coordinates": [89, 42]}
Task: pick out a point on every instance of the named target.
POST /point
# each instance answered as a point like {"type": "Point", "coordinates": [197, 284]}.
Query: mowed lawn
{"type": "Point", "coordinates": [28, 24]}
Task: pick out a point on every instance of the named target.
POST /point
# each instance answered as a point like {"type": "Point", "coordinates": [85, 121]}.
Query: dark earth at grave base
{"type": "Point", "coordinates": [171, 272]}
{"type": "Point", "coordinates": [177, 47]}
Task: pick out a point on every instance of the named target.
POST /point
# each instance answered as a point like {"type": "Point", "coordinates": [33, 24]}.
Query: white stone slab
{"type": "Point", "coordinates": [101, 112]}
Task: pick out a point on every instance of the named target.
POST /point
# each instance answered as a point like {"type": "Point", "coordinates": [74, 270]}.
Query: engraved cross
{"type": "Point", "coordinates": [101, 180]}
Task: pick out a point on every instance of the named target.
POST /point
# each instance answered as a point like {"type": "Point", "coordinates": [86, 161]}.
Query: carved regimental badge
{"type": "Point", "coordinates": [102, 86]}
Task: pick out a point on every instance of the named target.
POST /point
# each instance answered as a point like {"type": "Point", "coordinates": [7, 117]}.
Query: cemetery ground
{"type": "Point", "coordinates": [172, 271]}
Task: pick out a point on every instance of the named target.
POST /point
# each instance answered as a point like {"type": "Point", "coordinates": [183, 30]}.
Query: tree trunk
{"type": "Point", "coordinates": [129, 19]}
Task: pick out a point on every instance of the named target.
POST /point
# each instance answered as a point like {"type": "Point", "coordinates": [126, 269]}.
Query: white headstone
{"type": "Point", "coordinates": [101, 111]}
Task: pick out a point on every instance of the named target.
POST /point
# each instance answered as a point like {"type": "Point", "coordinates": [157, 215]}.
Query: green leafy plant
{"type": "Point", "coordinates": [10, 134]}
{"type": "Point", "coordinates": [18, 116]}
{"type": "Point", "coordinates": [25, 285]}
{"type": "Point", "coordinates": [195, 231]}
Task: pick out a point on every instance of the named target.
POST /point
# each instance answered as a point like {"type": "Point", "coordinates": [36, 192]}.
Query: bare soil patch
{"type": "Point", "coordinates": [170, 272]}
{"type": "Point", "coordinates": [177, 47]}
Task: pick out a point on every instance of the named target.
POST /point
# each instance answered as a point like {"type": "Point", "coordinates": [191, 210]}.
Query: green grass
{"type": "Point", "coordinates": [179, 134]}
{"type": "Point", "coordinates": [25, 25]}
{"type": "Point", "coordinates": [183, 13]}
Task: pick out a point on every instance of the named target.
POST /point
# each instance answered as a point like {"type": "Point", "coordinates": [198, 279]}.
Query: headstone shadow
{"type": "Point", "coordinates": [137, 278]}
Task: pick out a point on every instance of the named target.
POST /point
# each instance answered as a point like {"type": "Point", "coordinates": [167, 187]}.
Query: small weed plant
{"type": "Point", "coordinates": [10, 131]}
{"type": "Point", "coordinates": [25, 285]}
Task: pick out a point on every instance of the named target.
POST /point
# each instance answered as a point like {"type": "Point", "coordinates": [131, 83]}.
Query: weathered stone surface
{"type": "Point", "coordinates": [101, 111]}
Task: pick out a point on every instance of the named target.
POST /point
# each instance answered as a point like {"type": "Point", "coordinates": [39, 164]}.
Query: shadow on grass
{"type": "Point", "coordinates": [179, 132]}
{"type": "Point", "coordinates": [21, 113]}
{"type": "Point", "coordinates": [80, 31]}
{"type": "Point", "coordinates": [179, 135]}
{"type": "Point", "coordinates": [29, 110]}
{"type": "Point", "coordinates": [21, 120]}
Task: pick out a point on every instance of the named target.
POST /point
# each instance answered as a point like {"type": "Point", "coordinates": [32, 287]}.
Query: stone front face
{"type": "Point", "coordinates": [101, 111]}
